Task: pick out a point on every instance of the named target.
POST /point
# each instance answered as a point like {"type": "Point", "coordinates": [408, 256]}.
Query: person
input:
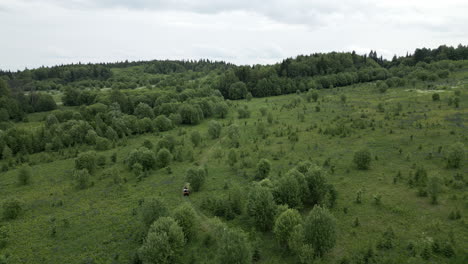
{"type": "Point", "coordinates": [186, 191]}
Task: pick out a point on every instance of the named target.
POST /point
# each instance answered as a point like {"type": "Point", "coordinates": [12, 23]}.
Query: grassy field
{"type": "Point", "coordinates": [60, 224]}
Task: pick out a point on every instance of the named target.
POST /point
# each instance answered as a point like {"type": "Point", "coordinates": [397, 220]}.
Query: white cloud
{"type": "Point", "coordinates": [48, 32]}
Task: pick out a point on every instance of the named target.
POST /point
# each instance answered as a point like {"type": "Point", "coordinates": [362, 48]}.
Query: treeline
{"type": "Point", "coordinates": [15, 105]}
{"type": "Point", "coordinates": [114, 116]}
{"type": "Point", "coordinates": [64, 74]}
{"type": "Point", "coordinates": [323, 71]}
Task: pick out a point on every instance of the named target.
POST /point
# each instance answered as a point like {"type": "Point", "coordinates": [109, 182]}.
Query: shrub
{"type": "Point", "coordinates": [263, 169]}
{"type": "Point", "coordinates": [102, 143]}
{"type": "Point", "coordinates": [243, 113]}
{"type": "Point", "coordinates": [81, 178]}
{"type": "Point", "coordinates": [387, 240]}
{"type": "Point", "coordinates": [151, 210]}
{"type": "Point", "coordinates": [214, 129]}
{"type": "Point", "coordinates": [362, 159]}
{"type": "Point", "coordinates": [11, 209]}
{"type": "Point", "coordinates": [287, 190]}
{"type": "Point", "coordinates": [196, 178]}
{"type": "Point", "coordinates": [86, 160]}
{"type": "Point", "coordinates": [316, 181]}
{"type": "Point", "coordinates": [320, 230]}
{"type": "Point", "coordinates": [162, 123]}
{"type": "Point", "coordinates": [195, 137]}
{"type": "Point", "coordinates": [435, 97]}
{"type": "Point", "coordinates": [233, 247]}
{"type": "Point", "coordinates": [261, 207]}
{"type": "Point", "coordinates": [456, 155]}
{"type": "Point", "coordinates": [3, 237]}
{"type": "Point", "coordinates": [186, 217]}
{"type": "Point", "coordinates": [143, 156]}
{"type": "Point", "coordinates": [24, 175]}
{"type": "Point", "coordinates": [434, 188]}
{"type": "Point", "coordinates": [163, 244]}
{"type": "Point", "coordinates": [296, 239]}
{"type": "Point", "coordinates": [285, 224]}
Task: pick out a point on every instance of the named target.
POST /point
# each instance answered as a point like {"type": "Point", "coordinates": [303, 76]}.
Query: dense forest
{"type": "Point", "coordinates": [322, 158]}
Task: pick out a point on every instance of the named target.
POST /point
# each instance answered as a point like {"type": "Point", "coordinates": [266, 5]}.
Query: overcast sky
{"type": "Point", "coordinates": [50, 32]}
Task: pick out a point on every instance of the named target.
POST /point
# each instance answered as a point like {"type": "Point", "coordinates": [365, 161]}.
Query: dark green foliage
{"type": "Point", "coordinates": [186, 217]}
{"type": "Point", "coordinates": [143, 156]}
{"type": "Point", "coordinates": [233, 247]}
{"type": "Point", "coordinates": [163, 158]}
{"type": "Point", "coordinates": [362, 159]}
{"type": "Point", "coordinates": [320, 230]}
{"type": "Point", "coordinates": [316, 182]}
{"type": "Point", "coordinates": [243, 113]}
{"type": "Point", "coordinates": [86, 160]}
{"type": "Point", "coordinates": [387, 240]}
{"type": "Point", "coordinates": [237, 91]}
{"type": "Point", "coordinates": [82, 178]}
{"type": "Point", "coordinates": [285, 224]}
{"type": "Point", "coordinates": [456, 155]}
{"type": "Point", "coordinates": [102, 143]}
{"type": "Point", "coordinates": [214, 129]}
{"type": "Point", "coordinates": [435, 97]}
{"type": "Point", "coordinates": [3, 237]}
{"type": "Point", "coordinates": [7, 153]}
{"type": "Point", "coordinates": [233, 134]}
{"type": "Point", "coordinates": [163, 244]}
{"type": "Point", "coordinates": [162, 123]}
{"type": "Point", "coordinates": [190, 114]}
{"type": "Point", "coordinates": [434, 188]}
{"type": "Point", "coordinates": [24, 175]}
{"type": "Point", "coordinates": [263, 169]}
{"type": "Point", "coordinates": [11, 209]}
{"type": "Point", "coordinates": [221, 110]}
{"type": "Point", "coordinates": [143, 110]}
{"type": "Point", "coordinates": [232, 157]}
{"type": "Point", "coordinates": [261, 207]}
{"type": "Point", "coordinates": [151, 210]}
{"type": "Point", "coordinates": [196, 138]}
{"type": "Point", "coordinates": [291, 189]}
{"type": "Point", "coordinates": [196, 178]}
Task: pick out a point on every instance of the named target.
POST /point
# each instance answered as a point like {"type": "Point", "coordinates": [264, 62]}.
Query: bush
{"type": "Point", "coordinates": [362, 159]}
{"type": "Point", "coordinates": [320, 230]}
{"type": "Point", "coordinates": [195, 137]}
{"type": "Point", "coordinates": [263, 169]}
{"type": "Point", "coordinates": [24, 175]}
{"type": "Point", "coordinates": [435, 97]}
{"type": "Point", "coordinates": [163, 158]}
{"type": "Point", "coordinates": [214, 129]}
{"type": "Point", "coordinates": [456, 155]}
{"type": "Point", "coordinates": [162, 123]}
{"type": "Point", "coordinates": [316, 181]}
{"type": "Point", "coordinates": [285, 224]}
{"type": "Point", "coordinates": [261, 207]}
{"type": "Point", "coordinates": [243, 113]}
{"type": "Point", "coordinates": [11, 209]}
{"type": "Point", "coordinates": [86, 160]}
{"type": "Point", "coordinates": [102, 143]}
{"type": "Point", "coordinates": [434, 188]}
{"type": "Point", "coordinates": [81, 178]}
{"type": "Point", "coordinates": [143, 156]}
{"type": "Point", "coordinates": [164, 243]}
{"type": "Point", "coordinates": [186, 217]}
{"type": "Point", "coordinates": [287, 189]}
{"type": "Point", "coordinates": [151, 210]}
{"type": "Point", "coordinates": [233, 247]}
{"type": "Point", "coordinates": [3, 237]}
{"type": "Point", "coordinates": [196, 178]}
